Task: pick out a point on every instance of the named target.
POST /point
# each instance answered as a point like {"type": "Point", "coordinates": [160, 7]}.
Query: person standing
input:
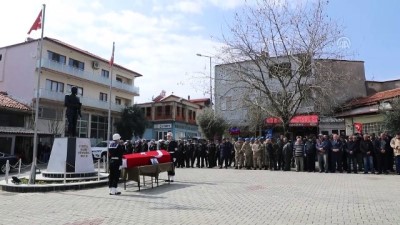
{"type": "Point", "coordinates": [239, 157]}
{"type": "Point", "coordinates": [310, 151]}
{"type": "Point", "coordinates": [246, 149]}
{"type": "Point", "coordinates": [279, 154]}
{"type": "Point", "coordinates": [395, 144]}
{"type": "Point", "coordinates": [367, 148]}
{"type": "Point", "coordinates": [351, 154]}
{"type": "Point", "coordinates": [115, 152]}
{"type": "Point", "coordinates": [257, 154]}
{"type": "Point", "coordinates": [337, 147]}
{"type": "Point", "coordinates": [287, 154]}
{"type": "Point", "coordinates": [172, 147]}
{"type": "Point", "coordinates": [211, 149]}
{"type": "Point", "coordinates": [225, 150]}
{"type": "Point", "coordinates": [382, 154]}
{"type": "Point", "coordinates": [298, 152]}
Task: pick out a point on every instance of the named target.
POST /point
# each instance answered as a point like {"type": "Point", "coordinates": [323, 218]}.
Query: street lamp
{"type": "Point", "coordinates": [198, 54]}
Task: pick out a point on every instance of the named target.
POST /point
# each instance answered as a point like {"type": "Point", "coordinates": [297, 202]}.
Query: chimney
{"type": "Point", "coordinates": [189, 97]}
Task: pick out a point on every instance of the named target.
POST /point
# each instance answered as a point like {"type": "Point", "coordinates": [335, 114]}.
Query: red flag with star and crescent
{"type": "Point", "coordinates": [37, 24]}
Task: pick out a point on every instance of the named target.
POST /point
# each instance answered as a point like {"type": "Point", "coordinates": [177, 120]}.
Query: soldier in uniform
{"type": "Point", "coordinates": [152, 146]}
{"type": "Point", "coordinates": [189, 154]}
{"type": "Point", "coordinates": [257, 153]}
{"type": "Point", "coordinates": [239, 156]}
{"type": "Point", "coordinates": [180, 160]}
{"type": "Point", "coordinates": [248, 157]}
{"type": "Point", "coordinates": [115, 152]}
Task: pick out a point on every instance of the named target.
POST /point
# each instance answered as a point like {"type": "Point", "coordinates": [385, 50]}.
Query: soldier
{"type": "Point", "coordinates": [248, 154]}
{"type": "Point", "coordinates": [257, 154]}
{"type": "Point", "coordinates": [203, 154]}
{"type": "Point", "coordinates": [189, 156]}
{"type": "Point", "coordinates": [239, 156]}
{"type": "Point", "coordinates": [271, 154]}
{"type": "Point", "coordinates": [115, 152]}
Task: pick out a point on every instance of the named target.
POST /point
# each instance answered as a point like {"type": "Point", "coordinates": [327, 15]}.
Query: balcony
{"type": "Point", "coordinates": [94, 77]}
{"type": "Point", "coordinates": [89, 102]}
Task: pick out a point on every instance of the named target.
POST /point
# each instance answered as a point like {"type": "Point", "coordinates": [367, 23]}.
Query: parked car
{"type": "Point", "coordinates": [3, 161]}
{"type": "Point", "coordinates": [99, 150]}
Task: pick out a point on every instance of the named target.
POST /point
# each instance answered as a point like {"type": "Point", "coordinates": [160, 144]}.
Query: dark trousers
{"type": "Point", "coordinates": [310, 162]}
{"type": "Point", "coordinates": [279, 161]}
{"type": "Point", "coordinates": [224, 159]}
{"type": "Point", "coordinates": [188, 159]}
{"type": "Point", "coordinates": [287, 160]}
{"type": "Point", "coordinates": [351, 162]}
{"type": "Point", "coordinates": [336, 161]}
{"type": "Point", "coordinates": [397, 158]}
{"type": "Point", "coordinates": [211, 160]}
{"type": "Point", "coordinates": [115, 173]}
{"type": "Point", "coordinates": [272, 163]}
{"type": "Point", "coordinates": [390, 159]}
{"type": "Point", "coordinates": [381, 160]}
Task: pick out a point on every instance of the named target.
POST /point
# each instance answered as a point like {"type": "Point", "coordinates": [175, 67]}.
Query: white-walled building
{"type": "Point", "coordinates": [229, 94]}
{"type": "Point", "coordinates": [65, 66]}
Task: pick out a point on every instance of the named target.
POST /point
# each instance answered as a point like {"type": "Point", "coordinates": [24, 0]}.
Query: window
{"type": "Point", "coordinates": [178, 111]}
{"type": "Point", "coordinates": [76, 64]}
{"type": "Point", "coordinates": [369, 128]}
{"type": "Point", "coordinates": [55, 86]}
{"type": "Point", "coordinates": [119, 79]}
{"type": "Point", "coordinates": [50, 113]}
{"type": "Point", "coordinates": [118, 101]}
{"type": "Point", "coordinates": [105, 73]}
{"type": "Point", "coordinates": [167, 110]}
{"type": "Point", "coordinates": [98, 127]}
{"type": "Point", "coordinates": [159, 110]}
{"type": "Point", "coordinates": [148, 111]}
{"type": "Point", "coordinates": [80, 89]}
{"type": "Point", "coordinates": [56, 57]}
{"type": "Point", "coordinates": [1, 56]}
{"type": "Point", "coordinates": [103, 97]}
{"type": "Point", "coordinates": [194, 115]}
{"type": "Point", "coordinates": [190, 114]}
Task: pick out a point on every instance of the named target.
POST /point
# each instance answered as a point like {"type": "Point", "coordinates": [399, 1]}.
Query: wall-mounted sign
{"type": "Point", "coordinates": [163, 126]}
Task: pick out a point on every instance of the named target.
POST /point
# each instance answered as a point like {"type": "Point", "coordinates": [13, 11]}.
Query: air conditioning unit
{"type": "Point", "coordinates": [95, 65]}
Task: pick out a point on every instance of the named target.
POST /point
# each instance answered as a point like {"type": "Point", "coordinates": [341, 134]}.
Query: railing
{"type": "Point", "coordinates": [90, 102]}
{"type": "Point", "coordinates": [95, 77]}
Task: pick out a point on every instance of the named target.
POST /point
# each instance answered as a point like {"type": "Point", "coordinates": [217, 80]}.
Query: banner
{"type": "Point", "coordinates": [358, 127]}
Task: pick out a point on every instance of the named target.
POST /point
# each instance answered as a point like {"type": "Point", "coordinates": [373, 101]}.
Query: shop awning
{"type": "Point", "coordinates": [296, 121]}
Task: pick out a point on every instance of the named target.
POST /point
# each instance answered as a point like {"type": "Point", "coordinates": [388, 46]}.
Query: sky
{"type": "Point", "coordinates": [160, 38]}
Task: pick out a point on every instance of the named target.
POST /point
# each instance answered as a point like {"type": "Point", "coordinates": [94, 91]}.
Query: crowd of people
{"type": "Point", "coordinates": [353, 154]}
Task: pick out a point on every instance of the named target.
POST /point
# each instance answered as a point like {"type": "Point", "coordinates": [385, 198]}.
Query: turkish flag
{"type": "Point", "coordinates": [358, 127]}
{"type": "Point", "coordinates": [37, 24]}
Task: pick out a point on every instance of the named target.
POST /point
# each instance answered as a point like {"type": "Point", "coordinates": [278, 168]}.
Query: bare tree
{"type": "Point", "coordinates": [279, 51]}
{"type": "Point", "coordinates": [55, 126]}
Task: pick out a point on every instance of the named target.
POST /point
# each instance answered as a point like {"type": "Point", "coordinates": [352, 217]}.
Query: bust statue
{"type": "Point", "coordinates": [73, 105]}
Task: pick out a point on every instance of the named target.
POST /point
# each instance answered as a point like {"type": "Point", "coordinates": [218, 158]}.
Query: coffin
{"type": "Point", "coordinates": [144, 158]}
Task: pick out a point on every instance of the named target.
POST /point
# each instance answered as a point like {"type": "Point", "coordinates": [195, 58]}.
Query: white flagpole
{"type": "Point", "coordinates": [32, 177]}
{"type": "Point", "coordinates": [109, 102]}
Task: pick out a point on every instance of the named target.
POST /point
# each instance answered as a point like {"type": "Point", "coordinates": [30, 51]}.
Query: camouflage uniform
{"type": "Point", "coordinates": [239, 154]}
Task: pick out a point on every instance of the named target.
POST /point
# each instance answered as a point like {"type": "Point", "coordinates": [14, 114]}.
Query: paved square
{"type": "Point", "coordinates": [219, 196]}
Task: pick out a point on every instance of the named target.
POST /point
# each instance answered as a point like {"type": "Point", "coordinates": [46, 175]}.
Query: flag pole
{"type": "Point", "coordinates": [32, 177]}
{"type": "Point", "coordinates": [109, 102]}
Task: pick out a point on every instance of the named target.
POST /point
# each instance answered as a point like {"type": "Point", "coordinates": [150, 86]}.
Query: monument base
{"type": "Point", "coordinates": [72, 157]}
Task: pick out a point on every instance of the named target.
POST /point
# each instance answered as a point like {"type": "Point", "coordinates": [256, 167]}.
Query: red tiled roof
{"type": "Point", "coordinates": [199, 100]}
{"type": "Point", "coordinates": [373, 99]}
{"type": "Point", "coordinates": [8, 102]}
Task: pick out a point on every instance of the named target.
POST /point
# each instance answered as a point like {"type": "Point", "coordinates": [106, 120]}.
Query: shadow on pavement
{"type": "Point", "coordinates": [163, 188]}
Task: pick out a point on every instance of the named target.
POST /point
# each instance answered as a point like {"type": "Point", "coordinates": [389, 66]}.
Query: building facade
{"type": "Point", "coordinates": [365, 115]}
{"type": "Point", "coordinates": [65, 66]}
{"type": "Point", "coordinates": [172, 114]}
{"type": "Point", "coordinates": [229, 93]}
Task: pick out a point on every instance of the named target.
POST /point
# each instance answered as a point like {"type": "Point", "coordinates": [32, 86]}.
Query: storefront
{"type": "Point", "coordinates": [299, 125]}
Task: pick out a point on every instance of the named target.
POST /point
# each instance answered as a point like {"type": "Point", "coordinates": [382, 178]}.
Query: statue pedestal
{"type": "Point", "coordinates": [72, 156]}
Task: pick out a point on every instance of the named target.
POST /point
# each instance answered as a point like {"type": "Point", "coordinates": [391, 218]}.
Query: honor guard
{"type": "Point", "coordinates": [115, 152]}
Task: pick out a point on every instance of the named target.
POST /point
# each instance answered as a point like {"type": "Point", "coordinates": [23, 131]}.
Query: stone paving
{"type": "Point", "coordinates": [219, 196]}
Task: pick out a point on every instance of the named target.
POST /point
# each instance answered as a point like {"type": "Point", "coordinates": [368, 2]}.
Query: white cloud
{"type": "Point", "coordinates": [161, 46]}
